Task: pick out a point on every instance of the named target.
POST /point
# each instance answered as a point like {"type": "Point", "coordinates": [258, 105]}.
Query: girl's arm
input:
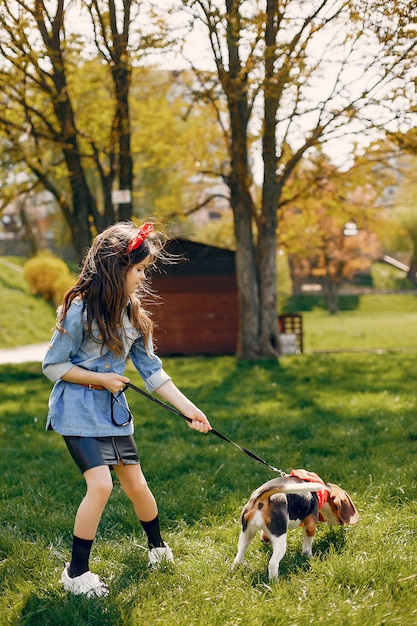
{"type": "Point", "coordinates": [169, 392]}
{"type": "Point", "coordinates": [111, 381]}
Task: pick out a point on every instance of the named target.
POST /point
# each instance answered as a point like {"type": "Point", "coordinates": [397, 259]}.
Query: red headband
{"type": "Point", "coordinates": [137, 241]}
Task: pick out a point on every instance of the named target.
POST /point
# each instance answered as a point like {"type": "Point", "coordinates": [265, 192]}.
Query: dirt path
{"type": "Point", "coordinates": [23, 354]}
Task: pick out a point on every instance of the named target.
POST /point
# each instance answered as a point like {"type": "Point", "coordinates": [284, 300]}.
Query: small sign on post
{"type": "Point", "coordinates": [121, 196]}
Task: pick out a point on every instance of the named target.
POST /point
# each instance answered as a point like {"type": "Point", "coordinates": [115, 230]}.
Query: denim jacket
{"type": "Point", "coordinates": [78, 410]}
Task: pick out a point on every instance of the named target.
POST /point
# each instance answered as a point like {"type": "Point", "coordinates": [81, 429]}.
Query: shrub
{"type": "Point", "coordinates": [61, 286]}
{"type": "Point", "coordinates": [48, 276]}
{"type": "Point", "coordinates": [386, 277]}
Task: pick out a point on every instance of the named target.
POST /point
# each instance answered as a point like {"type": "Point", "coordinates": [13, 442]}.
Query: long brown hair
{"type": "Point", "coordinates": [102, 284]}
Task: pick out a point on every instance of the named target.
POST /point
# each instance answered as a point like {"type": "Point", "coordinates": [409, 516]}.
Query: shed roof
{"type": "Point", "coordinates": [197, 259]}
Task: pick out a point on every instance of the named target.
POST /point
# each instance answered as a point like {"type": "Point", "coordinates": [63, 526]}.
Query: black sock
{"type": "Point", "coordinates": [153, 532]}
{"type": "Point", "coordinates": [81, 549]}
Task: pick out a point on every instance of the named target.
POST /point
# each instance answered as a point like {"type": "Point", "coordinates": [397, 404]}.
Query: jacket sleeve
{"type": "Point", "coordinates": [148, 365]}
{"type": "Point", "coordinates": [64, 344]}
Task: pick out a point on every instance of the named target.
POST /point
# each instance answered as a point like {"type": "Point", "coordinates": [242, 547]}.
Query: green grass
{"type": "Point", "coordinates": [366, 322]}
{"type": "Point", "coordinates": [24, 319]}
{"type": "Point", "coordinates": [378, 322]}
{"type": "Point", "coordinates": [348, 417]}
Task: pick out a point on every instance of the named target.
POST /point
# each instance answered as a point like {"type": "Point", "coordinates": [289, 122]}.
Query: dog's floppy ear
{"type": "Point", "coordinates": [342, 505]}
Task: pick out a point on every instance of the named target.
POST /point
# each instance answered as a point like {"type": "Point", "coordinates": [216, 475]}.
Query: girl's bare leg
{"type": "Point", "coordinates": [136, 488]}
{"type": "Point", "coordinates": [99, 487]}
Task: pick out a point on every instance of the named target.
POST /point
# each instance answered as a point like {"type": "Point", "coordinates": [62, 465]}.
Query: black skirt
{"type": "Point", "coordinates": [90, 452]}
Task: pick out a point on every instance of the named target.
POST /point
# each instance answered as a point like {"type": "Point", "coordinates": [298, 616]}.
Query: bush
{"type": "Point", "coordinates": [48, 276]}
{"type": "Point", "coordinates": [61, 286]}
{"type": "Point", "coordinates": [385, 276]}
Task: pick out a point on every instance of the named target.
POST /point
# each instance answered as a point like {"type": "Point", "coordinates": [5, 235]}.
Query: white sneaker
{"type": "Point", "coordinates": [88, 584]}
{"type": "Point", "coordinates": [160, 556]}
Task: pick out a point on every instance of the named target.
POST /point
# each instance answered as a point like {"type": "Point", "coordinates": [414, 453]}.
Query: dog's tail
{"type": "Point", "coordinates": [289, 484]}
{"type": "Point", "coordinates": [297, 489]}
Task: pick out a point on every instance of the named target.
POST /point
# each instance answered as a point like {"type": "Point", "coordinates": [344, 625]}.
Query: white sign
{"type": "Point", "coordinates": [121, 196]}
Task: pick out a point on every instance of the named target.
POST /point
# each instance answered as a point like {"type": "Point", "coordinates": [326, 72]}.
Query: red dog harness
{"type": "Point", "coordinates": [312, 478]}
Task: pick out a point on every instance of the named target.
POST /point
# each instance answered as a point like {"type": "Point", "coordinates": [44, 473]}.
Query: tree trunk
{"type": "Point", "coordinates": [247, 283]}
{"type": "Point", "coordinates": [256, 247]}
{"type": "Point", "coordinates": [126, 163]}
{"type": "Point", "coordinates": [83, 202]}
{"type": "Point", "coordinates": [332, 295]}
{"type": "Point", "coordinates": [269, 340]}
{"type": "Point", "coordinates": [267, 226]}
{"type": "Point", "coordinates": [122, 74]}
{"type": "Point", "coordinates": [412, 270]}
{"type": "Point", "coordinates": [235, 88]}
{"type": "Point", "coordinates": [242, 206]}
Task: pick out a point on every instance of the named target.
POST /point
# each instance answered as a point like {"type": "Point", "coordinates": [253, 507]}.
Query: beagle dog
{"type": "Point", "coordinates": [300, 497]}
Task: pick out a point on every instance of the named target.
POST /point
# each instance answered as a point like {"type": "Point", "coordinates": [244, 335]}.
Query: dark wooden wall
{"type": "Point", "coordinates": [198, 310]}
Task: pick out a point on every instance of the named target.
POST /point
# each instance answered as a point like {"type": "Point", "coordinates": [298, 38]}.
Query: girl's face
{"type": "Point", "coordinates": [135, 275]}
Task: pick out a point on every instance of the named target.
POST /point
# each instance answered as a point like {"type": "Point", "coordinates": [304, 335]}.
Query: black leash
{"type": "Point", "coordinates": [213, 431]}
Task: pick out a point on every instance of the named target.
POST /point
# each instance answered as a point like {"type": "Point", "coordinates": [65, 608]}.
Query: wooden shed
{"type": "Point", "coordinates": [198, 310]}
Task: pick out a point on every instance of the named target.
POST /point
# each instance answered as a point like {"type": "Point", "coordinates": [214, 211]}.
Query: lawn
{"type": "Point", "coordinates": [24, 319]}
{"type": "Point", "coordinates": [349, 417]}
{"type": "Point", "coordinates": [373, 322]}
{"type": "Point", "coordinates": [344, 409]}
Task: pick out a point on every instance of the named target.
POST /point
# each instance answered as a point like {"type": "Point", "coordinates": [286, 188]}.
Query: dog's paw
{"type": "Point", "coordinates": [239, 566]}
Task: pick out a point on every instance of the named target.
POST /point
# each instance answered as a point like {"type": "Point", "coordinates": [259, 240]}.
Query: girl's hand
{"type": "Point", "coordinates": [114, 382]}
{"type": "Point", "coordinates": [168, 391]}
{"type": "Point", "coordinates": [199, 420]}
{"type": "Point", "coordinates": [111, 381]}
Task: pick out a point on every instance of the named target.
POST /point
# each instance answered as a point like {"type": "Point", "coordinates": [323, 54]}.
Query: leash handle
{"type": "Point", "coordinates": [213, 430]}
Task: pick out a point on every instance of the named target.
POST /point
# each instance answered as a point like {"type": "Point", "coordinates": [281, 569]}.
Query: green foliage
{"type": "Point", "coordinates": [386, 277]}
{"type": "Point", "coordinates": [318, 202]}
{"type": "Point", "coordinates": [218, 233]}
{"type": "Point", "coordinates": [48, 276]}
{"type": "Point", "coordinates": [343, 416]}
{"type": "Point", "coordinates": [170, 148]}
{"type": "Point", "coordinates": [61, 286]}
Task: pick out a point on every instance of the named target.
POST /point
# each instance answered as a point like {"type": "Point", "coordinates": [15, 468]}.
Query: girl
{"type": "Point", "coordinates": [100, 324]}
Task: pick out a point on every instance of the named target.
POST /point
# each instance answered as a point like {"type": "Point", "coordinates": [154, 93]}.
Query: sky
{"type": "Point", "coordinates": [357, 74]}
